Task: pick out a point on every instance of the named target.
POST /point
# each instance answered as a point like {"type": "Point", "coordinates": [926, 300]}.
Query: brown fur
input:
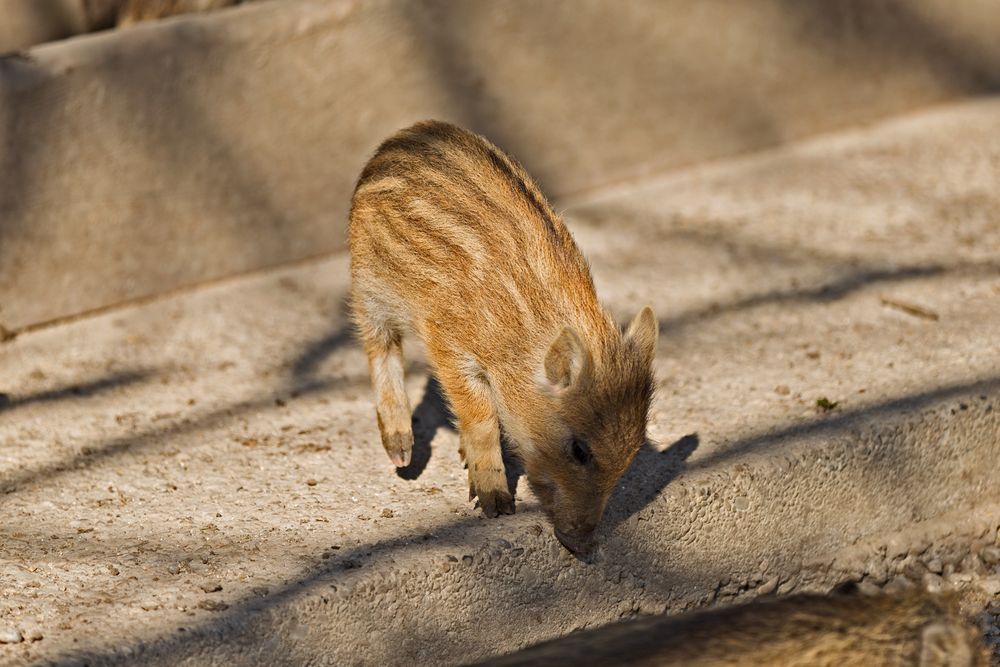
{"type": "Point", "coordinates": [135, 11]}
{"type": "Point", "coordinates": [802, 630]}
{"type": "Point", "coordinates": [451, 240]}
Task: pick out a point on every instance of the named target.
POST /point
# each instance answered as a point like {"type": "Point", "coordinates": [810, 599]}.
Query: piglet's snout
{"type": "Point", "coordinates": [582, 545]}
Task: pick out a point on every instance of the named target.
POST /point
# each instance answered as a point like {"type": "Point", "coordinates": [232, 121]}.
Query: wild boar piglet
{"type": "Point", "coordinates": [452, 241]}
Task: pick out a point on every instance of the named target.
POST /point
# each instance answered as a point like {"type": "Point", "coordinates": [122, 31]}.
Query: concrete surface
{"type": "Point", "coordinates": [198, 480]}
{"type": "Point", "coordinates": [142, 160]}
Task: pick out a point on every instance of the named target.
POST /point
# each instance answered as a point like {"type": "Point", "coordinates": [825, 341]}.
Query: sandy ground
{"type": "Point", "coordinates": [210, 460]}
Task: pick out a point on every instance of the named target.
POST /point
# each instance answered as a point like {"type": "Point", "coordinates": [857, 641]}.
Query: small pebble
{"type": "Point", "coordinates": [990, 586]}
{"type": "Point", "coordinates": [877, 571]}
{"type": "Point", "coordinates": [387, 513]}
{"type": "Point", "coordinates": [935, 565]}
{"type": "Point", "coordinates": [212, 605]}
{"type": "Point", "coordinates": [211, 587]}
{"type": "Point", "coordinates": [311, 482]}
{"type": "Point", "coordinates": [958, 580]}
{"type": "Point", "coordinates": [973, 564]}
{"type": "Point", "coordinates": [10, 635]}
{"type": "Point", "coordinates": [173, 568]}
{"type": "Point", "coordinates": [990, 555]}
{"type": "Point", "coordinates": [33, 634]}
{"type": "Point", "coordinates": [933, 583]}
{"type": "Point", "coordinates": [868, 588]}
{"type": "Point", "coordinates": [768, 586]}
{"type": "Point", "coordinates": [898, 586]}
{"type": "Point", "coordinates": [782, 390]}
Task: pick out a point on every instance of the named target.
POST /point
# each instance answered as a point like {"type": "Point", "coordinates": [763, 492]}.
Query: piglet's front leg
{"type": "Point", "coordinates": [487, 476]}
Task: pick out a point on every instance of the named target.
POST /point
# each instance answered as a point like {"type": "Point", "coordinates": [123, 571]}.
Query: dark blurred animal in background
{"type": "Point", "coordinates": [135, 11]}
{"type": "Point", "coordinates": [801, 630]}
{"type": "Point", "coordinates": [25, 23]}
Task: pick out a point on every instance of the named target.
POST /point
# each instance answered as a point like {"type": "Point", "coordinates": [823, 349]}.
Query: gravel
{"type": "Point", "coordinates": [10, 635]}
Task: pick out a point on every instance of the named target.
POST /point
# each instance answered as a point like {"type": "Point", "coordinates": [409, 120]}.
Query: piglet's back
{"type": "Point", "coordinates": [457, 229]}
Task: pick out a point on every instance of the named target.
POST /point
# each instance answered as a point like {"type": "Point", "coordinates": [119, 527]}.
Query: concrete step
{"type": "Point", "coordinates": [142, 160]}
{"type": "Point", "coordinates": [225, 436]}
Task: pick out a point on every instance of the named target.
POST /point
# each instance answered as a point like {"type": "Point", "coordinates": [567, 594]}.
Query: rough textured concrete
{"type": "Point", "coordinates": [226, 437]}
{"type": "Point", "coordinates": [200, 147]}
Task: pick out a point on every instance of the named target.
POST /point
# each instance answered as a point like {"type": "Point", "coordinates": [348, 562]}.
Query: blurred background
{"type": "Point", "coordinates": [166, 153]}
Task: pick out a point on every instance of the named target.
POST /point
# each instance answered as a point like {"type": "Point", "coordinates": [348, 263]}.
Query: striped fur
{"type": "Point", "coordinates": [452, 241]}
{"type": "Point", "coordinates": [797, 631]}
{"type": "Point", "coordinates": [136, 11]}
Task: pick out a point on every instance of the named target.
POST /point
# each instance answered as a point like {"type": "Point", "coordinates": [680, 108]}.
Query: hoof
{"type": "Point", "coordinates": [494, 503]}
{"type": "Point", "coordinates": [399, 447]}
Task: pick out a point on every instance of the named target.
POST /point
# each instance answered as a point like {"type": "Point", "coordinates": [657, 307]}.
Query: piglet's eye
{"type": "Point", "coordinates": [580, 451]}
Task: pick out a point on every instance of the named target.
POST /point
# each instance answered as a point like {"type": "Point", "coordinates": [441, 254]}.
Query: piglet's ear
{"type": "Point", "coordinates": [567, 362]}
{"type": "Point", "coordinates": [643, 332]}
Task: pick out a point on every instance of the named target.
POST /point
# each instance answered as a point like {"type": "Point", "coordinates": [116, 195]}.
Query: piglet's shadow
{"type": "Point", "coordinates": [433, 413]}
{"type": "Point", "coordinates": [649, 474]}
{"type": "Point", "coordinates": [430, 414]}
